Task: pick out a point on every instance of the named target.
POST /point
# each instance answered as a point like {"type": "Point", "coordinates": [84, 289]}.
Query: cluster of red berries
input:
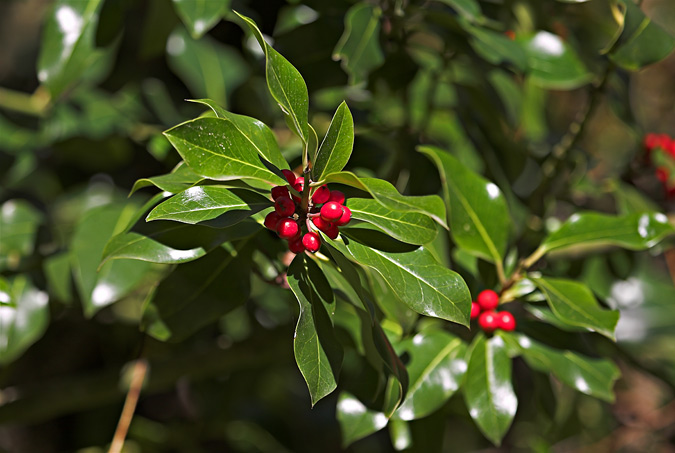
{"type": "Point", "coordinates": [326, 211]}
{"type": "Point", "coordinates": [662, 143]}
{"type": "Point", "coordinates": [488, 319]}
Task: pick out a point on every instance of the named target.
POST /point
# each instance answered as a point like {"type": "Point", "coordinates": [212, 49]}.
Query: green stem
{"type": "Point", "coordinates": [32, 104]}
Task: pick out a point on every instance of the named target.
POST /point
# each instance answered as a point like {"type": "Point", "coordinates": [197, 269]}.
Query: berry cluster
{"type": "Point", "coordinates": [661, 149]}
{"type": "Point", "coordinates": [488, 319]}
{"type": "Point", "coordinates": [326, 211]}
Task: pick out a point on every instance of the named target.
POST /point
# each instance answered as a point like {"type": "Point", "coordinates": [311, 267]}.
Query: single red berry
{"type": "Point", "coordinates": [311, 241]}
{"type": "Point", "coordinates": [284, 206]}
{"type": "Point", "coordinates": [337, 196]}
{"type": "Point", "coordinates": [506, 321]}
{"type": "Point", "coordinates": [299, 185]}
{"type": "Point", "coordinates": [488, 321]}
{"type": "Point", "coordinates": [290, 176]}
{"type": "Point", "coordinates": [332, 232]}
{"type": "Point", "coordinates": [321, 224]}
{"type": "Point", "coordinates": [296, 246]}
{"type": "Point", "coordinates": [279, 191]}
{"type": "Point", "coordinates": [331, 211]}
{"type": "Point", "coordinates": [664, 141]}
{"type": "Point", "coordinates": [345, 217]}
{"type": "Point", "coordinates": [650, 141]}
{"type": "Point", "coordinates": [662, 174]}
{"type": "Point", "coordinates": [271, 220]}
{"type": "Point", "coordinates": [475, 310]}
{"type": "Point", "coordinates": [488, 300]}
{"type": "Point", "coordinates": [287, 228]}
{"type": "Point", "coordinates": [321, 195]}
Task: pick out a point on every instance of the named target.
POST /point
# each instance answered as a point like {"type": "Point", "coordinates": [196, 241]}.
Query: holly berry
{"type": "Point", "coordinates": [662, 174]}
{"type": "Point", "coordinates": [321, 195]}
{"type": "Point", "coordinates": [284, 206]}
{"type": "Point", "coordinates": [345, 218]}
{"type": "Point", "coordinates": [475, 310]}
{"type": "Point", "coordinates": [331, 211]}
{"type": "Point", "coordinates": [287, 228]}
{"type": "Point", "coordinates": [488, 300]}
{"type": "Point", "coordinates": [271, 220]}
{"type": "Point", "coordinates": [332, 232]}
{"type": "Point", "coordinates": [311, 241]}
{"type": "Point", "coordinates": [506, 321]}
{"type": "Point", "coordinates": [488, 321]}
{"type": "Point", "coordinates": [296, 246]}
{"type": "Point", "coordinates": [337, 196]}
{"type": "Point", "coordinates": [279, 191]}
{"type": "Point", "coordinates": [321, 224]}
{"type": "Point", "coordinates": [290, 176]}
{"type": "Point", "coordinates": [298, 185]}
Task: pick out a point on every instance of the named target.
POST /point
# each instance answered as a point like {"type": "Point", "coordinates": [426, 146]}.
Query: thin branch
{"type": "Point", "coordinates": [31, 104]}
{"type": "Point", "coordinates": [137, 378]}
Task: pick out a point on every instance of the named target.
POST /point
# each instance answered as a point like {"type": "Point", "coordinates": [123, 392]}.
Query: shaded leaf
{"type": "Point", "coordinates": [359, 47]}
{"type": "Point", "coordinates": [199, 16]}
{"type": "Point", "coordinates": [553, 63]}
{"type": "Point", "coordinates": [58, 273]}
{"type": "Point", "coordinates": [496, 48]}
{"type": "Point", "coordinates": [19, 222]}
{"type": "Point", "coordinates": [337, 146]}
{"type": "Point", "coordinates": [410, 227]}
{"type": "Point", "coordinates": [356, 420]}
{"type": "Point", "coordinates": [180, 178]}
{"type": "Point", "coordinates": [470, 9]}
{"type": "Point", "coordinates": [138, 247]}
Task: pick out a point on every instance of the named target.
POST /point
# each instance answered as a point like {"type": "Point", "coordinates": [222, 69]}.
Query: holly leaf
{"type": "Point", "coordinates": [138, 247]}
{"type": "Point", "coordinates": [180, 178]}
{"type": "Point", "coordinates": [337, 146]}
{"type": "Point", "coordinates": [19, 222]}
{"type": "Point", "coordinates": [410, 227]}
{"type": "Point", "coordinates": [359, 46]}
{"type": "Point", "coordinates": [356, 420]}
{"type": "Point", "coordinates": [199, 16]}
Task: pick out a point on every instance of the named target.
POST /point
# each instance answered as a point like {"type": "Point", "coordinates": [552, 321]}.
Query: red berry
{"type": "Point", "coordinates": [345, 217]}
{"type": "Point", "coordinates": [311, 241]}
{"type": "Point", "coordinates": [296, 246]}
{"type": "Point", "coordinates": [510, 34]}
{"type": "Point", "coordinates": [284, 206]}
{"type": "Point", "coordinates": [488, 300]}
{"type": "Point", "coordinates": [337, 196]}
{"type": "Point", "coordinates": [664, 141]}
{"type": "Point", "coordinates": [488, 321]}
{"type": "Point", "coordinates": [475, 310]}
{"type": "Point", "coordinates": [287, 228]}
{"type": "Point", "coordinates": [506, 321]}
{"type": "Point", "coordinates": [651, 140]}
{"type": "Point", "coordinates": [662, 174]}
{"type": "Point", "coordinates": [331, 211]}
{"type": "Point", "coordinates": [299, 185]}
{"type": "Point", "coordinates": [271, 220]}
{"type": "Point", "coordinates": [321, 224]}
{"type": "Point", "coordinates": [332, 232]}
{"type": "Point", "coordinates": [321, 195]}
{"type": "Point", "coordinates": [279, 191]}
{"type": "Point", "coordinates": [290, 176]}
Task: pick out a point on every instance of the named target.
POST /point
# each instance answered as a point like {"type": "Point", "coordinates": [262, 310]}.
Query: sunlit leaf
{"type": "Point", "coordinates": [356, 420]}
{"type": "Point", "coordinates": [410, 227]}
{"type": "Point", "coordinates": [337, 146]}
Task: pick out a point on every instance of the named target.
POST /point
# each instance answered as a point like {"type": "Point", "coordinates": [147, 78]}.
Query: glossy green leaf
{"type": "Point", "coordinates": [436, 369]}
{"type": "Point", "coordinates": [642, 42]}
{"type": "Point", "coordinates": [356, 420]}
{"type": "Point", "coordinates": [19, 222]}
{"type": "Point", "coordinates": [199, 16]}
{"type": "Point", "coordinates": [410, 227]}
{"type": "Point", "coordinates": [415, 276]}
{"type": "Point", "coordinates": [488, 391]}
{"type": "Point", "coordinates": [387, 195]}
{"type": "Point", "coordinates": [68, 46]}
{"type": "Point", "coordinates": [317, 351]}
{"type": "Point", "coordinates": [198, 293]}
{"type": "Point", "coordinates": [257, 132]}
{"type": "Point", "coordinates": [359, 47]}
{"type": "Point", "coordinates": [24, 315]}
{"type": "Point", "coordinates": [138, 247]}
{"type": "Point", "coordinates": [215, 148]}
{"type": "Point", "coordinates": [553, 63]}
{"type": "Point", "coordinates": [479, 216]}
{"type": "Point", "coordinates": [180, 178]}
{"type": "Point", "coordinates": [208, 68]}
{"type": "Point", "coordinates": [470, 9]}
{"type": "Point", "coordinates": [547, 316]}
{"type": "Point", "coordinates": [593, 377]}
{"type": "Point", "coordinates": [337, 146]}
{"type": "Point", "coordinates": [116, 279]}
{"type": "Point", "coordinates": [200, 203]}
{"type": "Point", "coordinates": [285, 83]}
{"type": "Point", "coordinates": [634, 231]}
{"type": "Point", "coordinates": [574, 303]}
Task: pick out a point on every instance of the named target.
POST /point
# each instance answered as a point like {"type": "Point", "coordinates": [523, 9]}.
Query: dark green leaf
{"type": "Point", "coordinates": [479, 217]}
{"type": "Point", "coordinates": [138, 247]}
{"type": "Point", "coordinates": [337, 146]}
{"type": "Point", "coordinates": [257, 132]}
{"type": "Point", "coordinates": [359, 47]}
{"type": "Point", "coordinates": [410, 227]}
{"type": "Point", "coordinates": [356, 420]}
{"type": "Point", "coordinates": [388, 196]}
{"type": "Point", "coordinates": [200, 203]}
{"type": "Point", "coordinates": [470, 9]}
{"type": "Point", "coordinates": [317, 351]}
{"type": "Point", "coordinates": [24, 315]}
{"type": "Point", "coordinates": [496, 48]}
{"type": "Point", "coordinates": [199, 16]}
{"type": "Point", "coordinates": [215, 148]}
{"type": "Point", "coordinates": [574, 303]}
{"type": "Point", "coordinates": [285, 84]}
{"type": "Point", "coordinates": [400, 435]}
{"type": "Point", "coordinates": [58, 273]}
{"type": "Point", "coordinates": [416, 277]}
{"type": "Point", "coordinates": [488, 391]}
{"type": "Point", "coordinates": [180, 178]}
{"type": "Point", "coordinates": [436, 369]}
{"type": "Point", "coordinates": [593, 377]}
{"type": "Point", "coordinates": [19, 222]}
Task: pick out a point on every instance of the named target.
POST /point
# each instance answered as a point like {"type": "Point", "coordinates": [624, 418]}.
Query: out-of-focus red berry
{"type": "Point", "coordinates": [475, 310]}
{"type": "Point", "coordinates": [488, 321]}
{"type": "Point", "coordinates": [506, 321]}
{"type": "Point", "coordinates": [488, 300]}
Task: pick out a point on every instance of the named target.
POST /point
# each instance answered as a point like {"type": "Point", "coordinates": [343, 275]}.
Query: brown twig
{"type": "Point", "coordinates": [137, 378]}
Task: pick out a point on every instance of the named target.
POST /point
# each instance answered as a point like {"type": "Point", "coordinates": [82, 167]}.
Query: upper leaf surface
{"type": "Point", "coordinates": [479, 216]}
{"type": "Point", "coordinates": [215, 148]}
{"type": "Point", "coordinates": [337, 146]}
{"type": "Point", "coordinates": [138, 247]}
{"type": "Point", "coordinates": [199, 16]}
{"type": "Point", "coordinates": [359, 47]}
{"type": "Point", "coordinates": [180, 178]}
{"type": "Point", "coordinates": [356, 420]}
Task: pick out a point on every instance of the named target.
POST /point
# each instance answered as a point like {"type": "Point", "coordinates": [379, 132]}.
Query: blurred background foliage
{"type": "Point", "coordinates": [548, 99]}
